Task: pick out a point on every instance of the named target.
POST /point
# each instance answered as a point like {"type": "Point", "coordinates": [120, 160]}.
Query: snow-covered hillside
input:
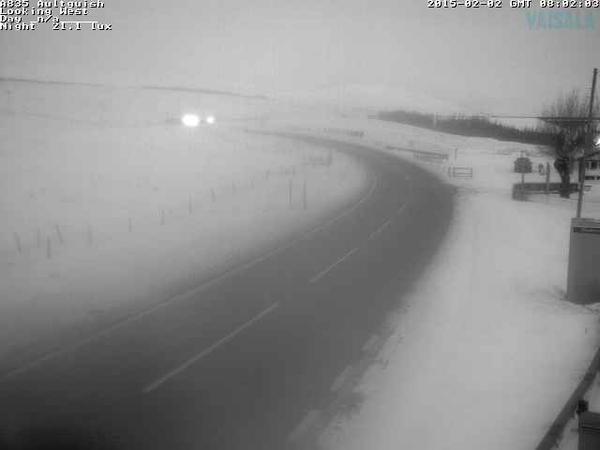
{"type": "Point", "coordinates": [372, 98]}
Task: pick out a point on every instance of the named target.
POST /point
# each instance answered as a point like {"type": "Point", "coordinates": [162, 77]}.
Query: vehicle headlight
{"type": "Point", "coordinates": [190, 120]}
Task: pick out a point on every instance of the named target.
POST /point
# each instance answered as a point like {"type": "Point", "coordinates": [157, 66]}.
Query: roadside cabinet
{"type": "Point", "coordinates": [589, 431]}
{"type": "Point", "coordinates": [583, 282]}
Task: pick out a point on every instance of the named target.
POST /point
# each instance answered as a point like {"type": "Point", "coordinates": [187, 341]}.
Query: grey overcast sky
{"type": "Point", "coordinates": [503, 60]}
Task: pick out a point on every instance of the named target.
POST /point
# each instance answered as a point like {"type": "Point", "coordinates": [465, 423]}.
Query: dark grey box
{"type": "Point", "coordinates": [583, 282]}
{"type": "Point", "coordinates": [589, 431]}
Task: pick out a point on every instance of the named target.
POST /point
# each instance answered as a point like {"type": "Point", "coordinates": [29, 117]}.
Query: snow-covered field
{"type": "Point", "coordinates": [485, 351]}
{"type": "Point", "coordinates": [109, 204]}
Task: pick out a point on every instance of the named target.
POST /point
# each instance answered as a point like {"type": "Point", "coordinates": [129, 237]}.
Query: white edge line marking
{"type": "Point", "coordinates": [341, 379]}
{"type": "Point", "coordinates": [310, 419]}
{"type": "Point", "coordinates": [180, 297]}
{"type": "Point", "coordinates": [194, 359]}
{"type": "Point", "coordinates": [370, 344]}
{"type": "Point", "coordinates": [325, 271]}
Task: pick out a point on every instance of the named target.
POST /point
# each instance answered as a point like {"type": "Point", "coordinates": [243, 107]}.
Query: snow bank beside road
{"type": "Point", "coordinates": [486, 351]}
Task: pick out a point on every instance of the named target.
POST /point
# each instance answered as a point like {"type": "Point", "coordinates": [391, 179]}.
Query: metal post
{"type": "Point", "coordinates": [523, 183]}
{"type": "Point", "coordinates": [304, 197]}
{"type": "Point", "coordinates": [588, 145]}
{"type": "Point", "coordinates": [547, 177]}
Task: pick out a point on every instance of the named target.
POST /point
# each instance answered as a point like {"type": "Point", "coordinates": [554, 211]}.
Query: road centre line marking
{"type": "Point", "coordinates": [180, 297]}
{"type": "Point", "coordinates": [348, 211]}
{"type": "Point", "coordinates": [325, 271]}
{"type": "Point", "coordinates": [194, 359]}
{"type": "Point", "coordinates": [378, 231]}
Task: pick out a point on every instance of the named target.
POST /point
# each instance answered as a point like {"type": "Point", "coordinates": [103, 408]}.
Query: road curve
{"type": "Point", "coordinates": [245, 360]}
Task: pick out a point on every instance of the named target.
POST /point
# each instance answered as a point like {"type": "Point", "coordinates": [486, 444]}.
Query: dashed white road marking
{"type": "Point", "coordinates": [349, 210]}
{"type": "Point", "coordinates": [379, 230]}
{"type": "Point", "coordinates": [180, 297]}
{"type": "Point", "coordinates": [308, 422]}
{"type": "Point", "coordinates": [341, 379]}
{"type": "Point", "coordinates": [132, 319]}
{"type": "Point", "coordinates": [325, 271]}
{"type": "Point", "coordinates": [194, 359]}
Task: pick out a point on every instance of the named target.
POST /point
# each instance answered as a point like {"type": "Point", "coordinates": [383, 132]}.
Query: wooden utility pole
{"type": "Point", "coordinates": [589, 142]}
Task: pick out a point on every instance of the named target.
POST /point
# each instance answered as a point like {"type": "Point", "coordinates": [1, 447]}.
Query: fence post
{"type": "Point", "coordinates": [18, 241]}
{"type": "Point", "coordinates": [547, 178]}
{"type": "Point", "coordinates": [304, 197]}
{"type": "Point", "coordinates": [59, 234]}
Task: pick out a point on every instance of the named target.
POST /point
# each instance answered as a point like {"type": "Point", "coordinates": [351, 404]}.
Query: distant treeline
{"type": "Point", "coordinates": [469, 126]}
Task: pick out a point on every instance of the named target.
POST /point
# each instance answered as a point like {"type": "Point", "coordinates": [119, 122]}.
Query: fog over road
{"type": "Point", "coordinates": [240, 361]}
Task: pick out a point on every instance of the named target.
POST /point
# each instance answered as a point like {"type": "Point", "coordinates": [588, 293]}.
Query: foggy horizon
{"type": "Point", "coordinates": [491, 60]}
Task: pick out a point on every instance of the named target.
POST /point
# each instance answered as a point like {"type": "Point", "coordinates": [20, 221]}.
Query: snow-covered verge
{"type": "Point", "coordinates": [109, 204]}
{"type": "Point", "coordinates": [485, 351]}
